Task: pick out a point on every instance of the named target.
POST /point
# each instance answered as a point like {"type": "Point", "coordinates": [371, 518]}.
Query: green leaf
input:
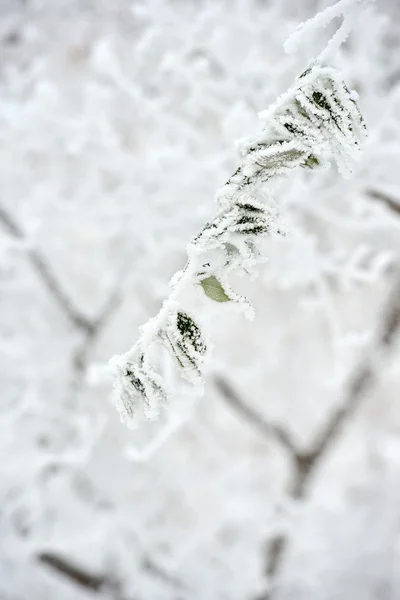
{"type": "Point", "coordinates": [214, 290]}
{"type": "Point", "coordinates": [311, 162]}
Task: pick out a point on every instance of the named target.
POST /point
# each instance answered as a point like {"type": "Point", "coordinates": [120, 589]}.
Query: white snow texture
{"type": "Point", "coordinates": [117, 126]}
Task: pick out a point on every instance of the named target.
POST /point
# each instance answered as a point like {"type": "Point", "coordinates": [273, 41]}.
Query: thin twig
{"type": "Point", "coordinates": [392, 203]}
{"type": "Point", "coordinates": [98, 583]}
{"type": "Point", "coordinates": [74, 572]}
{"type": "Point", "coordinates": [365, 376]}
{"type": "Point", "coordinates": [305, 462]}
{"type": "Point", "coordinates": [252, 416]}
{"type": "Point", "coordinates": [46, 274]}
{"type": "Point", "coordinates": [156, 571]}
{"type": "Point", "coordinates": [82, 354]}
{"type": "Point", "coordinates": [91, 328]}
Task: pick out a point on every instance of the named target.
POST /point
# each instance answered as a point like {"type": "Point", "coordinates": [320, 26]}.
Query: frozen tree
{"type": "Point", "coordinates": [116, 128]}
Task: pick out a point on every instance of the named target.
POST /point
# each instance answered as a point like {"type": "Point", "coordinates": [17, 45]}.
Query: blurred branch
{"type": "Point", "coordinates": [391, 202]}
{"type": "Point", "coordinates": [100, 583]}
{"type": "Point", "coordinates": [47, 276]}
{"type": "Point", "coordinates": [82, 354]}
{"type": "Point", "coordinates": [79, 576]}
{"type": "Point", "coordinates": [156, 571]}
{"type": "Point", "coordinates": [252, 416]}
{"type": "Point", "coordinates": [305, 463]}
{"type": "Point", "coordinates": [90, 327]}
{"type": "Point", "coordinates": [365, 376]}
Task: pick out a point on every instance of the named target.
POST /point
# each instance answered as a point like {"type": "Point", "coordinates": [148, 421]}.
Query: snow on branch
{"type": "Point", "coordinates": [348, 10]}
{"type": "Point", "coordinates": [313, 123]}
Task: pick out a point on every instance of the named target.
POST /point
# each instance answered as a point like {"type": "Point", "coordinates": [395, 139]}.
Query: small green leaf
{"type": "Point", "coordinates": [214, 290]}
{"type": "Point", "coordinates": [311, 162]}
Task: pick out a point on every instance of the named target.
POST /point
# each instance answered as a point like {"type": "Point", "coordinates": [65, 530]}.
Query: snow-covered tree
{"type": "Point", "coordinates": [117, 126]}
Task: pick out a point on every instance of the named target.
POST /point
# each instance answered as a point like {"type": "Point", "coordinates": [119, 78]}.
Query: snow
{"type": "Point", "coordinates": [117, 125]}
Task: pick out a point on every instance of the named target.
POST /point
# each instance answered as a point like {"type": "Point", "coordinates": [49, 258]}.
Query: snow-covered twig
{"type": "Point", "coordinates": [305, 462]}
{"type": "Point", "coordinates": [316, 121]}
{"type": "Point", "coordinates": [348, 10]}
{"type": "Point", "coordinates": [45, 272]}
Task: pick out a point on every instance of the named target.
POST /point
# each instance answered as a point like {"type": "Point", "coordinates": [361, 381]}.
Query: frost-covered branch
{"type": "Point", "coordinates": [47, 276]}
{"type": "Point", "coordinates": [305, 462]}
{"type": "Point", "coordinates": [253, 417]}
{"type": "Point", "coordinates": [346, 10]}
{"type": "Point", "coordinates": [358, 385]}
{"type": "Point", "coordinates": [89, 327]}
{"type": "Point", "coordinates": [83, 352]}
{"type": "Point", "coordinates": [313, 123]}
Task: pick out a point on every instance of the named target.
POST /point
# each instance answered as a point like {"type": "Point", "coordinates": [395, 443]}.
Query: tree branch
{"type": "Point", "coordinates": [78, 575]}
{"type": "Point", "coordinates": [81, 356]}
{"type": "Point", "coordinates": [392, 203]}
{"type": "Point", "coordinates": [365, 376]}
{"type": "Point", "coordinates": [99, 583]}
{"type": "Point", "coordinates": [90, 327]}
{"type": "Point", "coordinates": [252, 416]}
{"type": "Point", "coordinates": [47, 276]}
{"type": "Point", "coordinates": [305, 462]}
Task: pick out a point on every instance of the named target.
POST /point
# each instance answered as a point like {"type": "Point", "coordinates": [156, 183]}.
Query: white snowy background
{"type": "Point", "coordinates": [117, 124]}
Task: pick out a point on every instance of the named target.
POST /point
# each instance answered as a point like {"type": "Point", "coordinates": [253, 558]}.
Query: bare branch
{"type": "Point", "coordinates": [81, 356]}
{"type": "Point", "coordinates": [90, 328]}
{"type": "Point", "coordinates": [364, 377]}
{"type": "Point", "coordinates": [72, 571]}
{"type": "Point", "coordinates": [305, 462]}
{"type": "Point", "coordinates": [46, 274]}
{"type": "Point", "coordinates": [156, 571]}
{"type": "Point", "coordinates": [253, 417]}
{"type": "Point", "coordinates": [276, 548]}
{"type": "Point", "coordinates": [391, 317]}
{"type": "Point", "coordinates": [99, 583]}
{"type": "Point", "coordinates": [392, 203]}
